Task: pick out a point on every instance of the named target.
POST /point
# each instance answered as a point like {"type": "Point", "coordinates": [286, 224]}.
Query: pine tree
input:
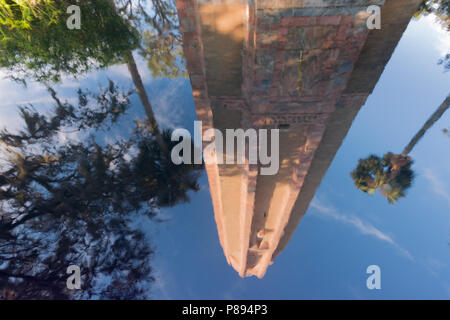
{"type": "Point", "coordinates": [74, 203]}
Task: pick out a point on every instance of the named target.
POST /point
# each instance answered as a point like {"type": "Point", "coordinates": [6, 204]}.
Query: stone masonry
{"type": "Point", "coordinates": [303, 66]}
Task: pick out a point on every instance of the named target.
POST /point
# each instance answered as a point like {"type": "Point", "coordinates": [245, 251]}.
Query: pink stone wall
{"type": "Point", "coordinates": [297, 60]}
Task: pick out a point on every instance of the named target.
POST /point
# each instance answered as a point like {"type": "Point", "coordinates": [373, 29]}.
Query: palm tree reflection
{"type": "Point", "coordinates": [392, 174]}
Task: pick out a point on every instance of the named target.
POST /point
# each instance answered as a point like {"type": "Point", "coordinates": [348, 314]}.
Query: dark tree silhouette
{"type": "Point", "coordinates": [385, 175]}
{"type": "Point", "coordinates": [74, 203]}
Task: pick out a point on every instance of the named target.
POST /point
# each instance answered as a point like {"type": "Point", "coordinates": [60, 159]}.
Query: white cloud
{"type": "Point", "coordinates": [362, 226]}
{"type": "Point", "coordinates": [437, 185]}
{"type": "Point", "coordinates": [119, 70]}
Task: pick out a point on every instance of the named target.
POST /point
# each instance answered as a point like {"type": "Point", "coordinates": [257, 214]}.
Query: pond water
{"type": "Point", "coordinates": [94, 176]}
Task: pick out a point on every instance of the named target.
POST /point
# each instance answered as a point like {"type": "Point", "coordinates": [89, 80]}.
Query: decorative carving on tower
{"type": "Point", "coordinates": [304, 67]}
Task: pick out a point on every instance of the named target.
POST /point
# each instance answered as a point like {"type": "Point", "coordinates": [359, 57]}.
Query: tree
{"type": "Point", "coordinates": [37, 44]}
{"type": "Point", "coordinates": [161, 45]}
{"type": "Point", "coordinates": [163, 55]}
{"type": "Point", "coordinates": [75, 203]}
{"type": "Point", "coordinates": [392, 175]}
{"type": "Point", "coordinates": [158, 43]}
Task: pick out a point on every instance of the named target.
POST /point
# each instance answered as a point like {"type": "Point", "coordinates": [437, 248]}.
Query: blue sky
{"type": "Point", "coordinates": [344, 230]}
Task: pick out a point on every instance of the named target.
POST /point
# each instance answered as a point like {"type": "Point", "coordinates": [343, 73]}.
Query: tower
{"type": "Point", "coordinates": [304, 67]}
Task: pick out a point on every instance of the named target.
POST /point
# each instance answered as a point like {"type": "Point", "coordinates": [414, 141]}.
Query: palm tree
{"type": "Point", "coordinates": [392, 175]}
{"type": "Point", "coordinates": [427, 125]}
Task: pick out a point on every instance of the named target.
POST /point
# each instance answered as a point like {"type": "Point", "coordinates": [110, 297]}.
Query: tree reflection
{"type": "Point", "coordinates": [392, 174]}
{"type": "Point", "coordinates": [160, 36]}
{"type": "Point", "coordinates": [445, 61]}
{"type": "Point", "coordinates": [36, 43]}
{"type": "Point", "coordinates": [441, 10]}
{"type": "Point", "coordinates": [76, 202]}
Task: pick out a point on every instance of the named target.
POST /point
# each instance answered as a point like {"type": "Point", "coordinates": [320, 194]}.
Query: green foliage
{"type": "Point", "coordinates": [163, 55]}
{"type": "Point", "coordinates": [440, 8]}
{"type": "Point", "coordinates": [392, 175]}
{"type": "Point", "coordinates": [20, 14]}
{"type": "Point", "coordinates": [36, 42]}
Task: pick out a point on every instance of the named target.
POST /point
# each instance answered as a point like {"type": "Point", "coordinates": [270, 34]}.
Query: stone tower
{"type": "Point", "coordinates": [303, 66]}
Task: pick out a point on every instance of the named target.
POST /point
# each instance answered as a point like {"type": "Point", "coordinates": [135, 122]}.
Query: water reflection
{"type": "Point", "coordinates": [73, 202]}
{"type": "Point", "coordinates": [39, 46]}
{"type": "Point", "coordinates": [302, 68]}
{"type": "Point", "coordinates": [440, 9]}
{"type": "Point", "coordinates": [36, 42]}
{"type": "Point", "coordinates": [392, 174]}
{"type": "Point", "coordinates": [305, 69]}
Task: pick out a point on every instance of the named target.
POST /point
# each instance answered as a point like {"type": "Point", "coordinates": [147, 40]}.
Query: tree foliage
{"type": "Point", "coordinates": [440, 8]}
{"type": "Point", "coordinates": [392, 175]}
{"type": "Point", "coordinates": [161, 44]}
{"type": "Point", "coordinates": [164, 55]}
{"type": "Point", "coordinates": [76, 203]}
{"type": "Point", "coordinates": [37, 44]}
